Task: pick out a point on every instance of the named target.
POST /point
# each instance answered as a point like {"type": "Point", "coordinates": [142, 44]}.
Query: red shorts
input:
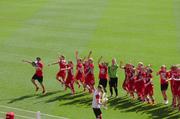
{"type": "Point", "coordinates": [179, 90]}
{"type": "Point", "coordinates": [131, 85]}
{"type": "Point", "coordinates": [89, 80]}
{"type": "Point", "coordinates": [176, 87]}
{"type": "Point", "coordinates": [149, 90]}
{"type": "Point", "coordinates": [125, 84]}
{"type": "Point", "coordinates": [61, 74]}
{"type": "Point", "coordinates": [139, 86]}
{"type": "Point", "coordinates": [172, 86]}
{"type": "Point", "coordinates": [69, 80]}
{"type": "Point", "coordinates": [79, 76]}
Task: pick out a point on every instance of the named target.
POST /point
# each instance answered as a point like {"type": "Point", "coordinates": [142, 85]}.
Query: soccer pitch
{"type": "Point", "coordinates": [132, 31]}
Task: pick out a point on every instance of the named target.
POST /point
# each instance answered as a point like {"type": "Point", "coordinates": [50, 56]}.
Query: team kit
{"type": "Point", "coordinates": [138, 82]}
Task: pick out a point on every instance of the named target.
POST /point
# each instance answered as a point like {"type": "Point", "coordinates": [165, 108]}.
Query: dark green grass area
{"type": "Point", "coordinates": [132, 31]}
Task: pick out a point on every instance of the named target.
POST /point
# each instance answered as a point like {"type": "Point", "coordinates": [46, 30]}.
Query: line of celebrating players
{"type": "Point", "coordinates": [138, 80]}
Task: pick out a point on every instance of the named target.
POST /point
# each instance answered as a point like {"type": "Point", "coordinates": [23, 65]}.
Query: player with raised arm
{"type": "Point", "coordinates": [103, 73]}
{"type": "Point", "coordinates": [38, 65]}
{"type": "Point", "coordinates": [89, 73]}
{"type": "Point", "coordinates": [61, 75]}
{"type": "Point", "coordinates": [79, 78]}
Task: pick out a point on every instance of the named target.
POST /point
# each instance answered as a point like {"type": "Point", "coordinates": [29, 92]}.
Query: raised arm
{"type": "Point", "coordinates": [83, 59]}
{"type": "Point", "coordinates": [53, 63]}
{"type": "Point", "coordinates": [76, 55]}
{"type": "Point", "coordinates": [121, 65]}
{"type": "Point", "coordinates": [89, 55]}
{"type": "Point", "coordinates": [99, 60]}
{"type": "Point", "coordinates": [27, 61]}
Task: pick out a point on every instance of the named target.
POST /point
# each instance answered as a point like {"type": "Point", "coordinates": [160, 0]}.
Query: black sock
{"type": "Point", "coordinates": [116, 90]}
{"type": "Point", "coordinates": [111, 90]}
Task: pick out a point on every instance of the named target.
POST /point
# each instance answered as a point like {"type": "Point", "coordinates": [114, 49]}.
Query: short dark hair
{"type": "Point", "coordinates": [38, 59]}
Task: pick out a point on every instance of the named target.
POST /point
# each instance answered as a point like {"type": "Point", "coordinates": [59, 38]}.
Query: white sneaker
{"type": "Point", "coordinates": [166, 102]}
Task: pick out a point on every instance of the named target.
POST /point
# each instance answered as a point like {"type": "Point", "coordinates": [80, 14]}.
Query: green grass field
{"type": "Point", "coordinates": [132, 31]}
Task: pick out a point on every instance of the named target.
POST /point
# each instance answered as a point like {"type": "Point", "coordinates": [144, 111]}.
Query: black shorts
{"type": "Point", "coordinates": [103, 82]}
{"type": "Point", "coordinates": [113, 82]}
{"type": "Point", "coordinates": [39, 78]}
{"type": "Point", "coordinates": [164, 87]}
{"type": "Point", "coordinates": [97, 112]}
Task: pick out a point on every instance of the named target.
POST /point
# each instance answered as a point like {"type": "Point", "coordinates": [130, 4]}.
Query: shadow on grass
{"type": "Point", "coordinates": [66, 97]}
{"type": "Point", "coordinates": [124, 104]}
{"type": "Point", "coordinates": [158, 111]}
{"type": "Point", "coordinates": [32, 95]}
{"type": "Point", "coordinates": [21, 98]}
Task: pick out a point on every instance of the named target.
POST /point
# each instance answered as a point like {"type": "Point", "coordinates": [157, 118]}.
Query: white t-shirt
{"type": "Point", "coordinates": [96, 103]}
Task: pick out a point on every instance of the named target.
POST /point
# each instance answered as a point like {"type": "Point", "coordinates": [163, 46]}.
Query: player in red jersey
{"type": "Point", "coordinates": [79, 78]}
{"type": "Point", "coordinates": [139, 82]}
{"type": "Point", "coordinates": [127, 73]}
{"type": "Point", "coordinates": [69, 83]}
{"type": "Point", "coordinates": [61, 75]}
{"type": "Point", "coordinates": [89, 73]}
{"type": "Point", "coordinates": [172, 76]}
{"type": "Point", "coordinates": [131, 78]}
{"type": "Point", "coordinates": [38, 65]}
{"type": "Point", "coordinates": [149, 90]}
{"type": "Point", "coordinates": [177, 86]}
{"type": "Point", "coordinates": [178, 79]}
{"type": "Point", "coordinates": [175, 77]}
{"type": "Point", "coordinates": [163, 73]}
{"type": "Point", "coordinates": [103, 73]}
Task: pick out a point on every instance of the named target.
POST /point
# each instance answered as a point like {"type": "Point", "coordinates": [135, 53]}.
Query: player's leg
{"type": "Point", "coordinates": [151, 95]}
{"type": "Point", "coordinates": [115, 86]}
{"type": "Point", "coordinates": [163, 90]}
{"type": "Point", "coordinates": [34, 82]}
{"type": "Point", "coordinates": [40, 80]}
{"type": "Point", "coordinates": [105, 85]}
{"type": "Point", "coordinates": [99, 114]}
{"type": "Point", "coordinates": [72, 88]}
{"type": "Point", "coordinates": [43, 87]}
{"type": "Point", "coordinates": [131, 90]}
{"type": "Point", "coordinates": [111, 87]}
{"type": "Point", "coordinates": [58, 77]}
{"type": "Point", "coordinates": [95, 112]}
{"type": "Point", "coordinates": [146, 95]}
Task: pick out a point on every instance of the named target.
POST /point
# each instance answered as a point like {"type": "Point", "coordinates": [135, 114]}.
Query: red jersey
{"type": "Point", "coordinates": [163, 76]}
{"type": "Point", "coordinates": [140, 75]}
{"type": "Point", "coordinates": [91, 67]}
{"type": "Point", "coordinates": [70, 72]}
{"type": "Point", "coordinates": [79, 68]}
{"type": "Point", "coordinates": [127, 72]}
{"type": "Point", "coordinates": [148, 77]}
{"type": "Point", "coordinates": [39, 69]}
{"type": "Point", "coordinates": [62, 64]}
{"type": "Point", "coordinates": [103, 72]}
{"type": "Point", "coordinates": [86, 66]}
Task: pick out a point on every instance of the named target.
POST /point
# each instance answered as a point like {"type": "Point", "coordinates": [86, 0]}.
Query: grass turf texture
{"type": "Point", "coordinates": [130, 30]}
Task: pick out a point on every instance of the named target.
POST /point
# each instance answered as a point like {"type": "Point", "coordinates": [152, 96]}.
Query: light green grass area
{"type": "Point", "coordinates": [129, 30]}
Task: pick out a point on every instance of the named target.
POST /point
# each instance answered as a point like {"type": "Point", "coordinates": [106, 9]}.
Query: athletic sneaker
{"type": "Point", "coordinates": [44, 92]}
{"type": "Point", "coordinates": [166, 102]}
{"type": "Point", "coordinates": [37, 88]}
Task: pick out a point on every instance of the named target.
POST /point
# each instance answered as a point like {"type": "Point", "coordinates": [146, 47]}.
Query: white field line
{"type": "Point", "coordinates": [25, 117]}
{"type": "Point", "coordinates": [59, 117]}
